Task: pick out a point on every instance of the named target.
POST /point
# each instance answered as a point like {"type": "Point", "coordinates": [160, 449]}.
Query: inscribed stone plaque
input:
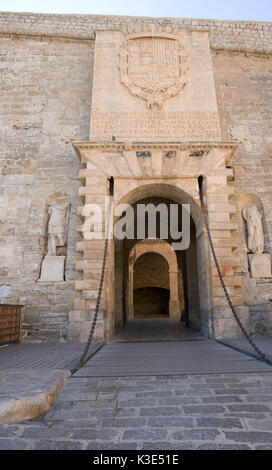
{"type": "Point", "coordinates": [260, 265]}
{"type": "Point", "coordinates": [53, 268]}
{"type": "Point", "coordinates": [154, 86]}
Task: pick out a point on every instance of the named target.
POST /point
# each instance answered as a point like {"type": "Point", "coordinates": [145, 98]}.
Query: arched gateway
{"type": "Point", "coordinates": [189, 270]}
{"type": "Point", "coordinates": [155, 129]}
{"type": "Point", "coordinates": [157, 269]}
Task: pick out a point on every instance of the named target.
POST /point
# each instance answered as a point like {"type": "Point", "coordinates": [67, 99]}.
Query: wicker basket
{"type": "Point", "coordinates": [10, 319]}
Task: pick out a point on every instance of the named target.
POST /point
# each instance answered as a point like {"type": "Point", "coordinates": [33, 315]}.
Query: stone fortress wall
{"type": "Point", "coordinates": [46, 84]}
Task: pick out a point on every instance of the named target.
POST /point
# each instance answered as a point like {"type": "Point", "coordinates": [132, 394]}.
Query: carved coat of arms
{"type": "Point", "coordinates": [153, 68]}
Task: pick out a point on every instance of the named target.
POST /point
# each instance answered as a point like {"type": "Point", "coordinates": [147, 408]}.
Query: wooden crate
{"type": "Point", "coordinates": [10, 319]}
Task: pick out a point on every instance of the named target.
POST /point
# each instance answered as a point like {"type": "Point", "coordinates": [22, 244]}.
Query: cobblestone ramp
{"type": "Point", "coordinates": [168, 358]}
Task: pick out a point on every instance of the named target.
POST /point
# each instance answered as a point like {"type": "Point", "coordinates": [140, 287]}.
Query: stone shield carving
{"type": "Point", "coordinates": [153, 67]}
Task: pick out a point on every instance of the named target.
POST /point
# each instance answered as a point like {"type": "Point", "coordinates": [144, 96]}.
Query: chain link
{"type": "Point", "coordinates": [260, 353]}
{"type": "Point", "coordinates": [251, 342]}
{"type": "Point", "coordinates": [100, 289]}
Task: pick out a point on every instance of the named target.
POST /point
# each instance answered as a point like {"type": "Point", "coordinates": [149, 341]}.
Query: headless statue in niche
{"type": "Point", "coordinates": [255, 236]}
{"type": "Point", "coordinates": [58, 214]}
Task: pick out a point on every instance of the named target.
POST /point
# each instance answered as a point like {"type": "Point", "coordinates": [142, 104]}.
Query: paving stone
{"type": "Point", "coordinates": [226, 380]}
{"type": "Point", "coordinates": [169, 422]}
{"type": "Point", "coordinates": [14, 444]}
{"type": "Point", "coordinates": [190, 392]}
{"type": "Point", "coordinates": [67, 414]}
{"type": "Point", "coordinates": [123, 412]}
{"type": "Point", "coordinates": [210, 386]}
{"type": "Point", "coordinates": [251, 408]}
{"type": "Point", "coordinates": [212, 446]}
{"type": "Point", "coordinates": [195, 434]}
{"type": "Point", "coordinates": [64, 405]}
{"type": "Point", "coordinates": [250, 436]}
{"type": "Point", "coordinates": [94, 445]}
{"type": "Point", "coordinates": [160, 411]}
{"type": "Point", "coordinates": [137, 402]}
{"type": "Point", "coordinates": [144, 434]}
{"type": "Point", "coordinates": [167, 446]}
{"type": "Point", "coordinates": [264, 447]}
{"type": "Point", "coordinates": [94, 434]}
{"type": "Point", "coordinates": [68, 396]}
{"type": "Point", "coordinates": [249, 385]}
{"type": "Point", "coordinates": [233, 391]}
{"type": "Point", "coordinates": [71, 424]}
{"type": "Point", "coordinates": [96, 413]}
{"type": "Point", "coordinates": [182, 400]}
{"type": "Point", "coordinates": [101, 404]}
{"type": "Point", "coordinates": [203, 409]}
{"type": "Point", "coordinates": [259, 416]}
{"type": "Point", "coordinates": [7, 430]}
{"type": "Point", "coordinates": [219, 422]}
{"type": "Point", "coordinates": [258, 398]}
{"type": "Point", "coordinates": [135, 388]}
{"type": "Point", "coordinates": [160, 393]}
{"type": "Point", "coordinates": [91, 404]}
{"type": "Point", "coordinates": [57, 445]}
{"type": "Point", "coordinates": [106, 396]}
{"type": "Point", "coordinates": [222, 399]}
{"type": "Point", "coordinates": [123, 422]}
{"type": "Point", "coordinates": [259, 425]}
{"type": "Point", "coordinates": [50, 433]}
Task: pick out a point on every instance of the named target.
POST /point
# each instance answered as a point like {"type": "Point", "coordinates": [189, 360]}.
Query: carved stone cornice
{"type": "Point", "coordinates": [146, 145]}
{"type": "Point", "coordinates": [157, 160]}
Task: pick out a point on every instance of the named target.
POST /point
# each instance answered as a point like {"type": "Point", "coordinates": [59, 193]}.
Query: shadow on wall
{"type": "Point", "coordinates": [151, 302]}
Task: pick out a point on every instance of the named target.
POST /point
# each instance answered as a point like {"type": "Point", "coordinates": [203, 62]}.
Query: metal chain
{"type": "Point", "coordinates": [251, 342]}
{"type": "Point", "coordinates": [100, 289]}
{"type": "Point", "coordinates": [94, 321]}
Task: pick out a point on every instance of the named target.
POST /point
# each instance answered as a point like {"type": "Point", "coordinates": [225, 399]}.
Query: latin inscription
{"type": "Point", "coordinates": [174, 125]}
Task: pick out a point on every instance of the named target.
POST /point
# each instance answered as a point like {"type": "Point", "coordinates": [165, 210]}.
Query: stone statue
{"type": "Point", "coordinates": [255, 237]}
{"type": "Point", "coordinates": [57, 226]}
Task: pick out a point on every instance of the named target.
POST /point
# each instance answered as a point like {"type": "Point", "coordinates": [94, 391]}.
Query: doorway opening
{"type": "Point", "coordinates": [151, 286]}
{"type": "Point", "coordinates": [155, 283]}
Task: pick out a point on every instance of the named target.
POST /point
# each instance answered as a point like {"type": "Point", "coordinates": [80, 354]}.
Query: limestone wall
{"type": "Point", "coordinates": [244, 94]}
{"type": "Point", "coordinates": [46, 82]}
{"type": "Point", "coordinates": [45, 102]}
{"type": "Point", "coordinates": [151, 270]}
{"type": "Point", "coordinates": [233, 35]}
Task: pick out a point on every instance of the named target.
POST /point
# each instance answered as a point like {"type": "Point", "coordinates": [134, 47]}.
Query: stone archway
{"type": "Point", "coordinates": [143, 170]}
{"type": "Point", "coordinates": [166, 251]}
{"type": "Point", "coordinates": [193, 264]}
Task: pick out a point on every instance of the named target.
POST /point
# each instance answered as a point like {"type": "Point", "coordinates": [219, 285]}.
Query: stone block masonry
{"type": "Point", "coordinates": [45, 102]}
{"type": "Point", "coordinates": [46, 92]}
{"type": "Point", "coordinates": [247, 36]}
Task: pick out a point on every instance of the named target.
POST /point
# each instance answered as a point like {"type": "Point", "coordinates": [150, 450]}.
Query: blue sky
{"type": "Point", "coordinates": [258, 10]}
